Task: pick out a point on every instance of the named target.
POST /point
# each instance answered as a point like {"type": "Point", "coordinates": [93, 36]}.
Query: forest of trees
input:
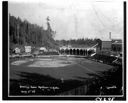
{"type": "Point", "coordinates": [24, 33]}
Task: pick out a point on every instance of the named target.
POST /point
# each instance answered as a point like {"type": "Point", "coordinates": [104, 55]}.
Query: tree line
{"type": "Point", "coordinates": [25, 33]}
{"type": "Point", "coordinates": [80, 42]}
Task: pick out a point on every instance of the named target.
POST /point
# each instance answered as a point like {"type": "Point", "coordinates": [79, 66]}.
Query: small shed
{"type": "Point", "coordinates": [43, 49]}
{"type": "Point", "coordinates": [17, 50]}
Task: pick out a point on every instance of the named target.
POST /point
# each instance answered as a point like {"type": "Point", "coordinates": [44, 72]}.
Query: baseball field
{"type": "Point", "coordinates": [56, 75]}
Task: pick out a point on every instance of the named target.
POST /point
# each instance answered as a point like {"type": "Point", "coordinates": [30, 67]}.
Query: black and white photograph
{"type": "Point", "coordinates": [66, 49]}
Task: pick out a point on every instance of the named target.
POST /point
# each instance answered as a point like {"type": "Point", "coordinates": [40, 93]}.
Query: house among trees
{"type": "Point", "coordinates": [17, 50]}
{"type": "Point", "coordinates": [22, 33]}
{"type": "Point", "coordinates": [42, 49]}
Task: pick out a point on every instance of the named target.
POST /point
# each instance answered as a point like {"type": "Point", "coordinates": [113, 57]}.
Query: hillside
{"type": "Point", "coordinates": [24, 33]}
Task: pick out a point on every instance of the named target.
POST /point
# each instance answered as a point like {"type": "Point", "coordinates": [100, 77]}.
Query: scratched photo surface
{"type": "Point", "coordinates": [66, 48]}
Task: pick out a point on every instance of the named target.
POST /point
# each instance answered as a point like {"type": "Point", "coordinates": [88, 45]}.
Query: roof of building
{"type": "Point", "coordinates": [106, 40]}
{"type": "Point", "coordinates": [42, 48]}
{"type": "Point", "coordinates": [116, 41]}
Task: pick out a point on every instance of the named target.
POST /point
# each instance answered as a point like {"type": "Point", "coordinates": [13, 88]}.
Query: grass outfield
{"type": "Point", "coordinates": [64, 74]}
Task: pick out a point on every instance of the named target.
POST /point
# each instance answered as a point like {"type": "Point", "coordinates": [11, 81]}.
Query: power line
{"type": "Point", "coordinates": [76, 23]}
{"type": "Point", "coordinates": [97, 15]}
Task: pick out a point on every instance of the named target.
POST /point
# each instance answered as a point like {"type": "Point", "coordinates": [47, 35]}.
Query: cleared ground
{"type": "Point", "coordinates": [57, 67]}
{"type": "Point", "coordinates": [67, 75]}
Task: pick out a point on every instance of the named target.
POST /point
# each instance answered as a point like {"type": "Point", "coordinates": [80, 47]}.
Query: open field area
{"type": "Point", "coordinates": [57, 75]}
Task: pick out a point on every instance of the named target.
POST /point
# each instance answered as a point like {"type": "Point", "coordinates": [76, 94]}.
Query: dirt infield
{"type": "Point", "coordinates": [19, 62]}
{"type": "Point", "coordinates": [58, 67]}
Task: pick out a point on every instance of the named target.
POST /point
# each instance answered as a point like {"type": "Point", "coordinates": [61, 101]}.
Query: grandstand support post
{"type": "Point", "coordinates": [64, 51]}
{"type": "Point", "coordinates": [84, 52]}
{"type": "Point", "coordinates": [87, 52]}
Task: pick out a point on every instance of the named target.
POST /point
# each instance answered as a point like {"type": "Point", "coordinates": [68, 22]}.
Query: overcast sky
{"type": "Point", "coordinates": [73, 19]}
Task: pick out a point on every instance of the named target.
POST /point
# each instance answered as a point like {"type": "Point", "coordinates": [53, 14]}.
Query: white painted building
{"type": "Point", "coordinates": [17, 50]}
{"type": "Point", "coordinates": [28, 49]}
{"type": "Point", "coordinates": [43, 49]}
